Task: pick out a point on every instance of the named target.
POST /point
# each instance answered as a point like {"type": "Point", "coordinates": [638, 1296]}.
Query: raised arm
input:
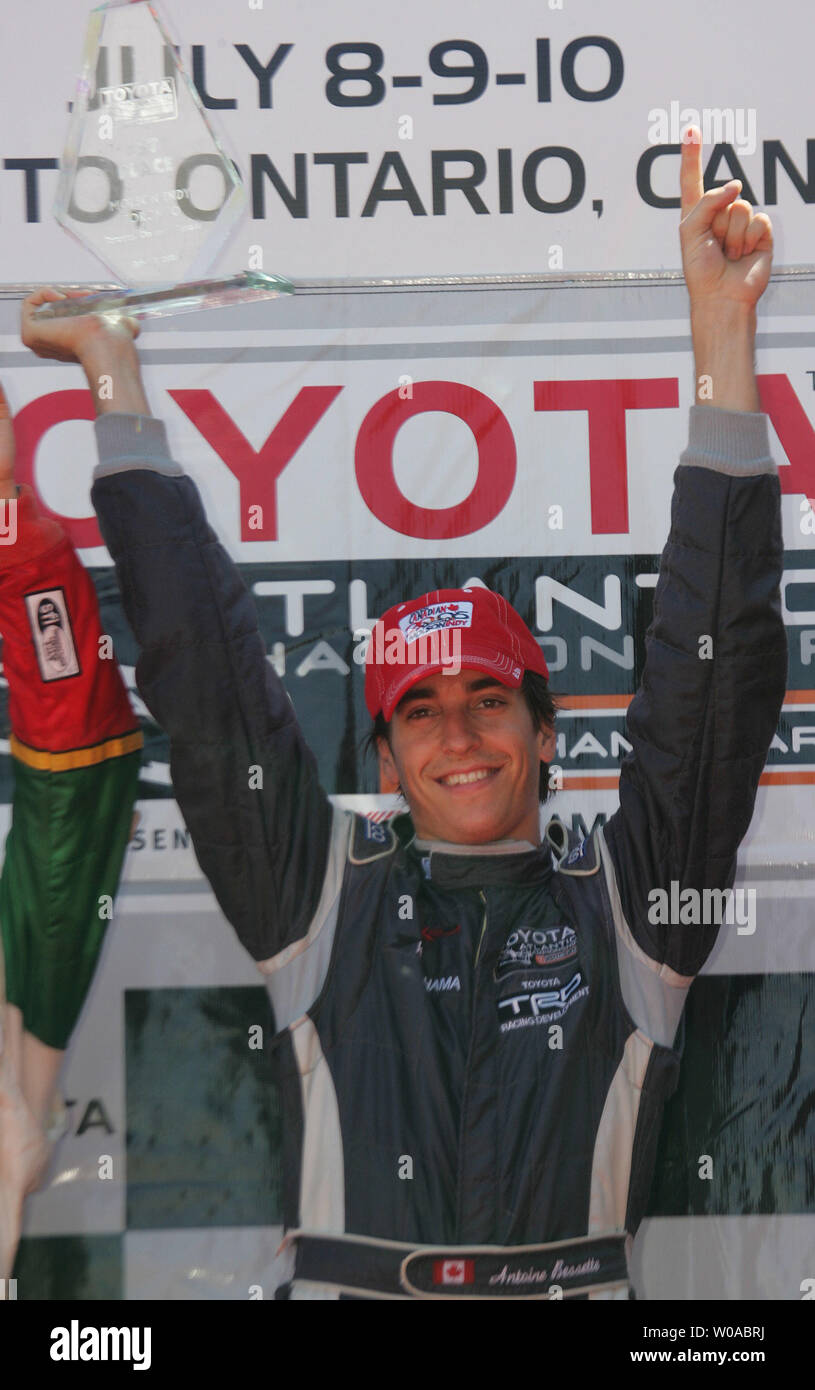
{"type": "Point", "coordinates": [242, 773]}
{"type": "Point", "coordinates": [716, 655]}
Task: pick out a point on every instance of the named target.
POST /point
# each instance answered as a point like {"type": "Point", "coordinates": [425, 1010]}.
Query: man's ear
{"type": "Point", "coordinates": [547, 742]}
{"type": "Point", "coordinates": [388, 775]}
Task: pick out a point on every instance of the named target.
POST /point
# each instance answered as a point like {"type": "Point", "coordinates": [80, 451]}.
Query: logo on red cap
{"type": "Point", "coordinates": [443, 631]}
{"type": "Point", "coordinates": [434, 617]}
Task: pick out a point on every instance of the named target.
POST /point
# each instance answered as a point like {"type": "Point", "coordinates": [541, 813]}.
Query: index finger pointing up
{"type": "Point", "coordinates": [691, 185]}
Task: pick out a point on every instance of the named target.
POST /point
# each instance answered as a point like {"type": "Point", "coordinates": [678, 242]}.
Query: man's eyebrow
{"type": "Point", "coordinates": [425, 692]}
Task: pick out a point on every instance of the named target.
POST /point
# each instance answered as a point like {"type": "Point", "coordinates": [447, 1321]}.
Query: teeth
{"type": "Point", "coordinates": [458, 779]}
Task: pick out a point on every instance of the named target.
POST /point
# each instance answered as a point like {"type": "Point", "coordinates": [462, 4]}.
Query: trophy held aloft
{"type": "Point", "coordinates": [145, 183]}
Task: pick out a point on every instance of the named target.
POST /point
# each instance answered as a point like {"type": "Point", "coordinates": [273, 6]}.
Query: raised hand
{"type": "Point", "coordinates": [102, 345]}
{"type": "Point", "coordinates": [69, 339]}
{"type": "Point", "coordinates": [727, 249]}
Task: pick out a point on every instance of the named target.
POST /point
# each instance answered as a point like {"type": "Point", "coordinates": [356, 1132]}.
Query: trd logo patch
{"type": "Point", "coordinates": [544, 946]}
{"type": "Point", "coordinates": [540, 1006]}
{"type": "Point", "coordinates": [52, 634]}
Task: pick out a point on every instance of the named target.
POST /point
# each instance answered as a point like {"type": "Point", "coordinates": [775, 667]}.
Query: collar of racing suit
{"type": "Point", "coordinates": [501, 861]}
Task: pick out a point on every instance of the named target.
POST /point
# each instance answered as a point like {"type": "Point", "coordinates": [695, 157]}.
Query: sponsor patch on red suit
{"type": "Point", "coordinates": [52, 634]}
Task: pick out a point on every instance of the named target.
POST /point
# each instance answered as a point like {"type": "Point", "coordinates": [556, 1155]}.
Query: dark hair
{"type": "Point", "coordinates": [540, 702]}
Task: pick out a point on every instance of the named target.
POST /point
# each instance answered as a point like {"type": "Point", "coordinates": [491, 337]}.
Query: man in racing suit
{"type": "Point", "coordinates": [477, 1025]}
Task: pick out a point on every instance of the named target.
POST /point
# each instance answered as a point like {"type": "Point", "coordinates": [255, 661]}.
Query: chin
{"type": "Point", "coordinates": [487, 838]}
{"type": "Point", "coordinates": [475, 831]}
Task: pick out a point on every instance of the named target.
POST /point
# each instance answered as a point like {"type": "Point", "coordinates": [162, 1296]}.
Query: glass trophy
{"type": "Point", "coordinates": [144, 181]}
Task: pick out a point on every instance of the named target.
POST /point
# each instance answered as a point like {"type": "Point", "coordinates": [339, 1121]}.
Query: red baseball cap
{"type": "Point", "coordinates": [490, 636]}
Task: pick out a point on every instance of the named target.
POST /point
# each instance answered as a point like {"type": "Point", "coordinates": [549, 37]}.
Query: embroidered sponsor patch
{"type": "Point", "coordinates": [435, 616]}
{"type": "Point", "coordinates": [527, 947]}
{"type": "Point", "coordinates": [442, 984]}
{"type": "Point", "coordinates": [52, 634]}
{"type": "Point", "coordinates": [532, 1007]}
{"type": "Point", "coordinates": [376, 832]}
{"type": "Point", "coordinates": [435, 933]}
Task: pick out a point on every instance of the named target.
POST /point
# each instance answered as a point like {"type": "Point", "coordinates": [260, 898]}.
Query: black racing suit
{"type": "Point", "coordinates": [475, 1043]}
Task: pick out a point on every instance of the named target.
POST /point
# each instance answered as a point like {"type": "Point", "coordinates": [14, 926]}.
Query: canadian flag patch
{"type": "Point", "coordinates": [453, 1271]}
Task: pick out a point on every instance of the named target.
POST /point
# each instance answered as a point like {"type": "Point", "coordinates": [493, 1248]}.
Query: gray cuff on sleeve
{"type": "Point", "coordinates": [728, 441]}
{"type": "Point", "coordinates": [132, 441]}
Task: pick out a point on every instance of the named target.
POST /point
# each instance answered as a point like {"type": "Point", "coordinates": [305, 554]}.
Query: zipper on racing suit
{"type": "Point", "coordinates": [481, 937]}
{"type": "Point", "coordinates": [468, 1065]}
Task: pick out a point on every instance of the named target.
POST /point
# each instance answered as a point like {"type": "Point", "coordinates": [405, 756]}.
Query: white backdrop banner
{"type": "Point", "coordinates": [353, 449]}
{"type": "Point", "coordinates": [426, 140]}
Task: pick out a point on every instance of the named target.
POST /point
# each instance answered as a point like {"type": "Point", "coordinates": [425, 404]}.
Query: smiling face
{"type": "Point", "coordinates": [467, 755]}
